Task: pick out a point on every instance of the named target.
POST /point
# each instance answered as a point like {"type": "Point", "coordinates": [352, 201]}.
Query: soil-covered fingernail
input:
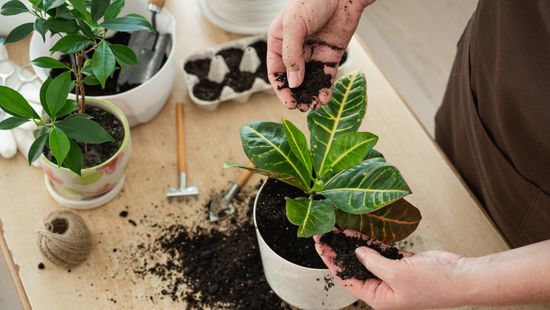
{"type": "Point", "coordinates": [293, 79]}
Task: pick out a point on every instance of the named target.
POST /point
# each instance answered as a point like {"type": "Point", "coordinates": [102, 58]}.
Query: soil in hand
{"type": "Point", "coordinates": [198, 67]}
{"type": "Point", "coordinates": [207, 90]}
{"type": "Point", "coordinates": [315, 79]}
{"type": "Point", "coordinates": [96, 154]}
{"type": "Point", "coordinates": [344, 247]}
{"type": "Point", "coordinates": [278, 232]}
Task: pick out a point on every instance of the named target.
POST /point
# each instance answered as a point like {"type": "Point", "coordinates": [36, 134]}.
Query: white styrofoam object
{"type": "Point", "coordinates": [299, 286]}
{"type": "Point", "coordinates": [218, 68]}
{"type": "Point", "coordinates": [143, 103]}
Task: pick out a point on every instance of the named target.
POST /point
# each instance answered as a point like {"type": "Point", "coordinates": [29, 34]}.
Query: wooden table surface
{"type": "Point", "coordinates": [452, 221]}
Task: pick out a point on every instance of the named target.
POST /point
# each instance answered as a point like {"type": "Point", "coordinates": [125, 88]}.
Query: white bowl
{"type": "Point", "coordinates": [140, 104]}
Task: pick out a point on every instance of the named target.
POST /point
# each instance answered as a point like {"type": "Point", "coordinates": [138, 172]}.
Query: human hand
{"type": "Point", "coordinates": [306, 31]}
{"type": "Point", "coordinates": [432, 279]}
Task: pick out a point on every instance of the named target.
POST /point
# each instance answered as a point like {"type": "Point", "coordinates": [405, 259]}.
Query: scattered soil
{"type": "Point", "coordinates": [41, 266]}
{"type": "Point", "coordinates": [207, 90]}
{"type": "Point", "coordinates": [232, 57]}
{"type": "Point", "coordinates": [96, 154]}
{"type": "Point", "coordinates": [240, 81]}
{"type": "Point", "coordinates": [261, 51]}
{"type": "Point", "coordinates": [278, 232]}
{"type": "Point", "coordinates": [198, 67]}
{"type": "Point", "coordinates": [345, 258]}
{"type": "Point", "coordinates": [315, 79]}
{"type": "Point", "coordinates": [123, 214]}
{"type": "Point", "coordinates": [111, 85]}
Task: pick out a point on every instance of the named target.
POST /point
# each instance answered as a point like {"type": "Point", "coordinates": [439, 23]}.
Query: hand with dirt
{"type": "Point", "coordinates": [311, 34]}
{"type": "Point", "coordinates": [437, 279]}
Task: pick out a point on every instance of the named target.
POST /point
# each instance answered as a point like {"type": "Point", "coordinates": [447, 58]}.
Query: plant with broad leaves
{"type": "Point", "coordinates": [82, 26]}
{"type": "Point", "coordinates": [346, 182]}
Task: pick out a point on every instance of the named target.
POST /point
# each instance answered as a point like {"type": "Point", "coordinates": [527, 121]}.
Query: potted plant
{"type": "Point", "coordinates": [339, 180]}
{"type": "Point", "coordinates": [83, 144]}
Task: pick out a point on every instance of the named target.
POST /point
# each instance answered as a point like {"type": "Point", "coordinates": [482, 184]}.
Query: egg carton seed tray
{"type": "Point", "coordinates": [231, 71]}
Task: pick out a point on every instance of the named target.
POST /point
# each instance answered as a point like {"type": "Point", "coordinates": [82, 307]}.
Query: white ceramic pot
{"type": "Point", "coordinates": [143, 103]}
{"type": "Point", "coordinates": [302, 287]}
{"type": "Point", "coordinates": [7, 23]}
{"type": "Point", "coordinates": [97, 185]}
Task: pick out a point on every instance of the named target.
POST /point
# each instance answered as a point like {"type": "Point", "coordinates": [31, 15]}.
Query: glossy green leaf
{"type": "Point", "coordinates": [128, 23]}
{"type": "Point", "coordinates": [91, 80]}
{"type": "Point", "coordinates": [313, 217]}
{"type": "Point", "coordinates": [49, 62]}
{"type": "Point", "coordinates": [114, 9]}
{"type": "Point", "coordinates": [57, 92]}
{"type": "Point", "coordinates": [57, 25]}
{"type": "Point", "coordinates": [343, 114]}
{"type": "Point", "coordinates": [71, 44]}
{"type": "Point", "coordinates": [390, 224]}
{"type": "Point", "coordinates": [13, 7]}
{"type": "Point", "coordinates": [68, 108]}
{"type": "Point", "coordinates": [59, 145]}
{"type": "Point", "coordinates": [98, 8]}
{"type": "Point", "coordinates": [51, 4]}
{"type": "Point", "coordinates": [43, 90]}
{"type": "Point", "coordinates": [366, 187]}
{"type": "Point", "coordinates": [19, 33]}
{"type": "Point", "coordinates": [16, 105]}
{"type": "Point", "coordinates": [267, 147]}
{"type": "Point", "coordinates": [374, 154]}
{"type": "Point", "coordinates": [12, 122]}
{"type": "Point", "coordinates": [124, 54]}
{"type": "Point", "coordinates": [75, 159]}
{"type": "Point", "coordinates": [348, 150]}
{"type": "Point", "coordinates": [40, 27]}
{"type": "Point", "coordinates": [85, 28]}
{"type": "Point", "coordinates": [37, 147]}
{"type": "Point", "coordinates": [298, 144]}
{"type": "Point", "coordinates": [83, 129]}
{"type": "Point", "coordinates": [286, 178]}
{"type": "Point", "coordinates": [103, 63]}
{"type": "Point", "coordinates": [63, 12]}
{"type": "Point", "coordinates": [79, 6]}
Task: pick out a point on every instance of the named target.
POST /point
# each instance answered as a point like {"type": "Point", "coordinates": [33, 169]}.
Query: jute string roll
{"type": "Point", "coordinates": [64, 238]}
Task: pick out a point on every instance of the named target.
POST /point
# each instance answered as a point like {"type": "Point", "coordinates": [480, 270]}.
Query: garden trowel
{"type": "Point", "coordinates": [219, 206]}
{"type": "Point", "coordinates": [150, 49]}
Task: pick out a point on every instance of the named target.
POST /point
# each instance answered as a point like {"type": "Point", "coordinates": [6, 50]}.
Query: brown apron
{"type": "Point", "coordinates": [494, 123]}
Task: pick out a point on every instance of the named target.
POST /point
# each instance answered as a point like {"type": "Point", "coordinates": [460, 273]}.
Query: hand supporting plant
{"type": "Point", "coordinates": [346, 181]}
{"type": "Point", "coordinates": [82, 26]}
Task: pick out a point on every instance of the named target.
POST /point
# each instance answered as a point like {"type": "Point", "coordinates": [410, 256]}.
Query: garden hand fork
{"type": "Point", "coordinates": [182, 190]}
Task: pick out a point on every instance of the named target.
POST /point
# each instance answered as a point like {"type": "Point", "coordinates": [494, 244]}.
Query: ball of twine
{"type": "Point", "coordinates": [64, 238]}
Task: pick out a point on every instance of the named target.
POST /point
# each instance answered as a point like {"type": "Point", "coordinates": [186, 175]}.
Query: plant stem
{"type": "Point", "coordinates": [79, 86]}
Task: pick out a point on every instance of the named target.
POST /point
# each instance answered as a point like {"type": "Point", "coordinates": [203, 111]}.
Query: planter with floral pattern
{"type": "Point", "coordinates": [96, 181]}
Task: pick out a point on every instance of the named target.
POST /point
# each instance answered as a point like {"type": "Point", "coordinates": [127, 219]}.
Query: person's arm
{"type": "Point", "coordinates": [437, 279]}
{"type": "Point", "coordinates": [310, 30]}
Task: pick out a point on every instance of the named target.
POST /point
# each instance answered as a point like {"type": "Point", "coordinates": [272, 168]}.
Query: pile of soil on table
{"type": "Point", "coordinates": [111, 85]}
{"type": "Point", "coordinates": [344, 247]}
{"type": "Point", "coordinates": [278, 232]}
{"type": "Point", "coordinates": [217, 268]}
{"type": "Point", "coordinates": [96, 154]}
{"type": "Point", "coordinates": [315, 79]}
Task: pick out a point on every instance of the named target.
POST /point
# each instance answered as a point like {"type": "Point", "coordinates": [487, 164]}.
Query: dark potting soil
{"type": "Point", "coordinates": [315, 79]}
{"type": "Point", "coordinates": [111, 85]}
{"type": "Point", "coordinates": [207, 90]}
{"type": "Point", "coordinates": [198, 67]}
{"type": "Point", "coordinates": [96, 154]}
{"type": "Point", "coordinates": [345, 258]}
{"type": "Point", "coordinates": [261, 51]}
{"type": "Point", "coordinates": [240, 81]}
{"type": "Point", "coordinates": [232, 57]}
{"type": "Point", "coordinates": [278, 232]}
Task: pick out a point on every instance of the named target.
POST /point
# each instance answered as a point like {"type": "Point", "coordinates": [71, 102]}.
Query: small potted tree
{"type": "Point", "coordinates": [339, 180]}
{"type": "Point", "coordinates": [83, 145]}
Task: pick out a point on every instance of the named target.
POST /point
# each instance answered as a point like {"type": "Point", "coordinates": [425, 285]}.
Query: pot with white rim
{"type": "Point", "coordinates": [142, 103]}
{"type": "Point", "coordinates": [299, 286]}
{"type": "Point", "coordinates": [96, 185]}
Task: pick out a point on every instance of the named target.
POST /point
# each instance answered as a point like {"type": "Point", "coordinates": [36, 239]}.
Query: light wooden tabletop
{"type": "Point", "coordinates": [452, 219]}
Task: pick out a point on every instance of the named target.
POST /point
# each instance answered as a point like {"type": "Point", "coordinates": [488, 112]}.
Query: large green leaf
{"type": "Point", "coordinates": [59, 145]}
{"type": "Point", "coordinates": [289, 179]}
{"type": "Point", "coordinates": [103, 62]}
{"type": "Point", "coordinates": [71, 44]}
{"type": "Point", "coordinates": [19, 33]}
{"type": "Point", "coordinates": [349, 150]}
{"type": "Point", "coordinates": [343, 114]}
{"type": "Point", "coordinates": [124, 54]}
{"type": "Point", "coordinates": [37, 147]}
{"type": "Point", "coordinates": [366, 187]}
{"type": "Point", "coordinates": [98, 8]}
{"type": "Point", "coordinates": [267, 147]}
{"type": "Point", "coordinates": [13, 7]}
{"type": "Point", "coordinates": [312, 216]}
{"type": "Point", "coordinates": [12, 122]}
{"type": "Point", "coordinates": [48, 62]}
{"type": "Point", "coordinates": [51, 4]}
{"type": "Point", "coordinates": [114, 9]}
{"type": "Point", "coordinates": [57, 25]}
{"type": "Point", "coordinates": [298, 144]}
{"type": "Point", "coordinates": [16, 105]}
{"type": "Point", "coordinates": [57, 92]}
{"type": "Point", "coordinates": [75, 159]}
{"type": "Point", "coordinates": [374, 154]}
{"type": "Point", "coordinates": [83, 129]}
{"type": "Point", "coordinates": [128, 23]}
{"type": "Point", "coordinates": [389, 224]}
{"type": "Point", "coordinates": [80, 6]}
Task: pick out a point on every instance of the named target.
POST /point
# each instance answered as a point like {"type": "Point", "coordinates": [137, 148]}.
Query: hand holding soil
{"type": "Point", "coordinates": [306, 37]}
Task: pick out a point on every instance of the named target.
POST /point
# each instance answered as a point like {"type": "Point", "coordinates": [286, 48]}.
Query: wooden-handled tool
{"type": "Point", "coordinates": [221, 206]}
{"type": "Point", "coordinates": [182, 190]}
